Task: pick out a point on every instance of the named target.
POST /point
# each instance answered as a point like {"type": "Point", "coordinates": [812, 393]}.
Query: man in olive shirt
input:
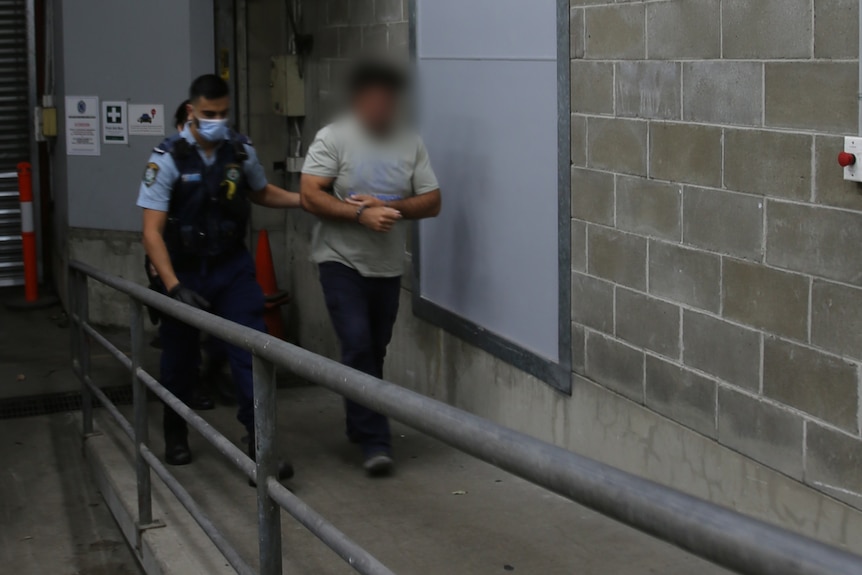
{"type": "Point", "coordinates": [363, 175]}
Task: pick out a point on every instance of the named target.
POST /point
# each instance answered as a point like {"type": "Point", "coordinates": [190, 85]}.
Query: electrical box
{"type": "Point", "coordinates": [288, 86]}
{"type": "Point", "coordinates": [49, 122]}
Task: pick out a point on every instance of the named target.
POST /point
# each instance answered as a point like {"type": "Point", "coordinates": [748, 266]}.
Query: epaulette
{"type": "Point", "coordinates": [169, 145]}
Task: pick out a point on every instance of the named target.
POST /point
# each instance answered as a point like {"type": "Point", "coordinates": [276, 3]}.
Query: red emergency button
{"type": "Point", "coordinates": [845, 159]}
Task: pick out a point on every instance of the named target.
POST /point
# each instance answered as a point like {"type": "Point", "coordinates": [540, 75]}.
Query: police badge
{"type": "Point", "coordinates": [232, 175]}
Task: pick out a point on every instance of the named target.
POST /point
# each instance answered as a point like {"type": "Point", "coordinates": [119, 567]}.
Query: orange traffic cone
{"type": "Point", "coordinates": [275, 298]}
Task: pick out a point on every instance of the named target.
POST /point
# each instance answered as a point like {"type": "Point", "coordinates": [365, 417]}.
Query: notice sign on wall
{"type": "Point", "coordinates": [82, 126]}
{"type": "Point", "coordinates": [115, 123]}
{"type": "Point", "coordinates": [146, 120]}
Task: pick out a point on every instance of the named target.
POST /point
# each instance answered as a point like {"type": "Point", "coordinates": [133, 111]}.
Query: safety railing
{"type": "Point", "coordinates": [725, 537]}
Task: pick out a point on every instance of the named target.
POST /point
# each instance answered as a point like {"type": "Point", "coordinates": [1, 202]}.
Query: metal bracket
{"type": "Point", "coordinates": [154, 524]}
{"type": "Point", "coordinates": [140, 529]}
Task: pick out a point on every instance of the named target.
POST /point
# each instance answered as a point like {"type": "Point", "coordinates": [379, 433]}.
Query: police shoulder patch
{"type": "Point", "coordinates": [150, 174]}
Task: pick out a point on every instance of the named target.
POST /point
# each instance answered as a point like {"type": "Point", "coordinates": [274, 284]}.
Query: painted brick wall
{"type": "Point", "coordinates": [717, 268]}
{"type": "Point", "coordinates": [348, 28]}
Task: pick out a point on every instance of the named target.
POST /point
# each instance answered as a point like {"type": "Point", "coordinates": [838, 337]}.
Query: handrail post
{"type": "Point", "coordinates": [84, 343]}
{"type": "Point", "coordinates": [80, 310]}
{"type": "Point", "coordinates": [72, 312]}
{"type": "Point", "coordinates": [141, 424]}
{"type": "Point", "coordinates": [268, 511]}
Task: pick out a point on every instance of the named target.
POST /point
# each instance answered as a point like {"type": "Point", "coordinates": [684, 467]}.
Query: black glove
{"type": "Point", "coordinates": [184, 295]}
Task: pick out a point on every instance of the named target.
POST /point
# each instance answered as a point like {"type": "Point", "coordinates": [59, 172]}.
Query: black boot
{"type": "Point", "coordinates": [285, 467]}
{"type": "Point", "coordinates": [200, 401]}
{"type": "Point", "coordinates": [176, 439]}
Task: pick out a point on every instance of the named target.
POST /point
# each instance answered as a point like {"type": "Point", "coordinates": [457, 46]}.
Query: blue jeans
{"type": "Point", "coordinates": [234, 294]}
{"type": "Point", "coordinates": [363, 312]}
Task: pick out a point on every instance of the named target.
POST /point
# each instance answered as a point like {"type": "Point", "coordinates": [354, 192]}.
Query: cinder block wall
{"type": "Point", "coordinates": [717, 270]}
{"type": "Point", "coordinates": [347, 28]}
{"type": "Point", "coordinates": [711, 315]}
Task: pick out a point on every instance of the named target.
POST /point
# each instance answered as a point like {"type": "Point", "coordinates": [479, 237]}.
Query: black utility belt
{"type": "Point", "coordinates": [193, 263]}
{"type": "Point", "coordinates": [196, 238]}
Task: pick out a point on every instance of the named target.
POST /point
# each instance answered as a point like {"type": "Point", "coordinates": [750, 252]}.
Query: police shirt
{"type": "Point", "coordinates": [161, 174]}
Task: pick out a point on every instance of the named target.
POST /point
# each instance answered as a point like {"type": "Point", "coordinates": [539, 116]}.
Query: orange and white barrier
{"type": "Point", "coordinates": [28, 232]}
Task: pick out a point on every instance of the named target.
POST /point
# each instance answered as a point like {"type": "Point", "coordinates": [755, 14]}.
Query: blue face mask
{"type": "Point", "coordinates": [212, 130]}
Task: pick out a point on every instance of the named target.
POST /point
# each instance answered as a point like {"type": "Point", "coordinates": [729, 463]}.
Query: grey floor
{"type": "Point", "coordinates": [442, 513]}
{"type": "Point", "coordinates": [52, 519]}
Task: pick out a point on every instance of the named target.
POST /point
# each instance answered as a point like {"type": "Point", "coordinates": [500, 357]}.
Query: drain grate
{"type": "Point", "coordinates": [17, 407]}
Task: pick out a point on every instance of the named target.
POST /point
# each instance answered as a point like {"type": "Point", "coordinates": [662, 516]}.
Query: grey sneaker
{"type": "Point", "coordinates": [378, 465]}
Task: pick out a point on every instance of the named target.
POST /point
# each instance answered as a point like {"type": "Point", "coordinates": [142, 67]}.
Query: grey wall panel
{"type": "Point", "coordinates": [492, 254]}
{"type": "Point", "coordinates": [488, 113]}
{"type": "Point", "coordinates": [146, 53]}
{"type": "Point", "coordinates": [202, 30]}
{"type": "Point", "coordinates": [520, 29]}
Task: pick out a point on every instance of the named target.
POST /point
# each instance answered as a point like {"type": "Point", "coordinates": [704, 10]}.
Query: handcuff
{"type": "Point", "coordinates": [359, 211]}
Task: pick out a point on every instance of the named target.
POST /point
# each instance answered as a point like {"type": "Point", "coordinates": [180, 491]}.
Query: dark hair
{"type": "Point", "coordinates": [181, 116]}
{"type": "Point", "coordinates": [373, 73]}
{"type": "Point", "coordinates": [208, 86]}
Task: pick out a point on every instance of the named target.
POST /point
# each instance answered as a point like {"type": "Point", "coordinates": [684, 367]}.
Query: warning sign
{"type": "Point", "coordinates": [82, 126]}
{"type": "Point", "coordinates": [146, 120]}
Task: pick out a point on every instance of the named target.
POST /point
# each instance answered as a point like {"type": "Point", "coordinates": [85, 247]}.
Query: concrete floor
{"type": "Point", "coordinates": [35, 357]}
{"type": "Point", "coordinates": [52, 518]}
{"type": "Point", "coordinates": [443, 512]}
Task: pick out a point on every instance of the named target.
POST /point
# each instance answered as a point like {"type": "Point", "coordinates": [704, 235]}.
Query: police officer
{"type": "Point", "coordinates": [215, 357]}
{"type": "Point", "coordinates": [195, 197]}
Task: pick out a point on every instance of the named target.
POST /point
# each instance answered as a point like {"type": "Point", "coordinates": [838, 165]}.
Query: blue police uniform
{"type": "Point", "coordinates": [206, 199]}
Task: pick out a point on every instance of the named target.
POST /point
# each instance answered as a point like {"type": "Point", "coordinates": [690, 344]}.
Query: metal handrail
{"type": "Point", "coordinates": [720, 535]}
{"type": "Point", "coordinates": [268, 492]}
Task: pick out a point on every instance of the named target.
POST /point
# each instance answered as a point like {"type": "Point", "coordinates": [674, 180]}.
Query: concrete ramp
{"type": "Point", "coordinates": [442, 513]}
{"type": "Point", "coordinates": [180, 546]}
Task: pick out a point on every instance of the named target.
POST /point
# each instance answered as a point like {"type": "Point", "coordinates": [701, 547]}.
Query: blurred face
{"type": "Point", "coordinates": [376, 107]}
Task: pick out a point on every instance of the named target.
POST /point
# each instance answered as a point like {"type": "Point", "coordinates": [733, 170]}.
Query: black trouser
{"type": "Point", "coordinates": [232, 291]}
{"type": "Point", "coordinates": [363, 312]}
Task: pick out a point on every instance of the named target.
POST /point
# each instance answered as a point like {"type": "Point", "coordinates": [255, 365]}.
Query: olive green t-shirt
{"type": "Point", "coordinates": [392, 168]}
